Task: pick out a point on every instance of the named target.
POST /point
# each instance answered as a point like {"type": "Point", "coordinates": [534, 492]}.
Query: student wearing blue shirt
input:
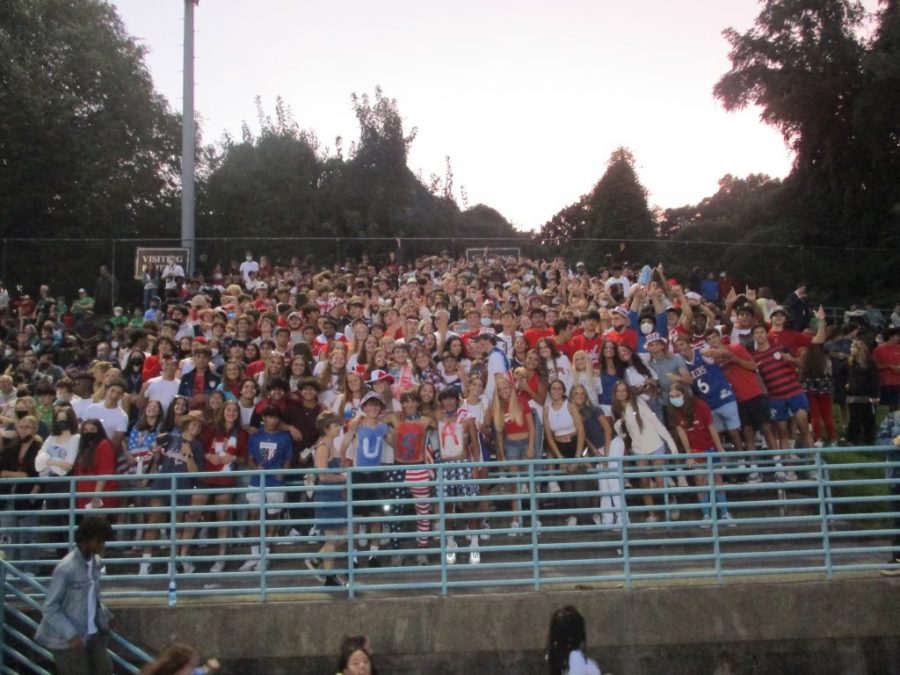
{"type": "Point", "coordinates": [267, 449]}
{"type": "Point", "coordinates": [367, 444]}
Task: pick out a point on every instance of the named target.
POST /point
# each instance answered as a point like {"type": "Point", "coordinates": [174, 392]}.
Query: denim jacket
{"type": "Point", "coordinates": [889, 430]}
{"type": "Point", "coordinates": [65, 608]}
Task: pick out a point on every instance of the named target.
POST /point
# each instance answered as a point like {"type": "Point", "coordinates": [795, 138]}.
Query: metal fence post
{"type": "Point", "coordinates": [351, 530]}
{"type": "Point", "coordinates": [442, 521]}
{"type": "Point", "coordinates": [263, 557]}
{"type": "Point", "coordinates": [532, 507]}
{"type": "Point", "coordinates": [2, 606]}
{"type": "Point", "coordinates": [714, 511]}
{"type": "Point", "coordinates": [623, 520]}
{"type": "Point", "coordinates": [173, 529]}
{"type": "Point", "coordinates": [823, 514]}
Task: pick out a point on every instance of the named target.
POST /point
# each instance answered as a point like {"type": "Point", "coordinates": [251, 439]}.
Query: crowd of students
{"type": "Point", "coordinates": [388, 367]}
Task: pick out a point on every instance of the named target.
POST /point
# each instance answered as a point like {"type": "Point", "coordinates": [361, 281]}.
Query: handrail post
{"type": "Point", "coordinates": [442, 520]}
{"type": "Point", "coordinates": [823, 514]}
{"type": "Point", "coordinates": [351, 530]}
{"type": "Point", "coordinates": [714, 511]}
{"type": "Point", "coordinates": [623, 519]}
{"type": "Point", "coordinates": [263, 558]}
{"type": "Point", "coordinates": [2, 607]}
{"type": "Point", "coordinates": [532, 506]}
{"type": "Point", "coordinates": [173, 528]}
{"type": "Point", "coordinates": [73, 487]}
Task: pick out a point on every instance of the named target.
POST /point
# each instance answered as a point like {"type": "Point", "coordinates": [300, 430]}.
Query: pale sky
{"type": "Point", "coordinates": [527, 97]}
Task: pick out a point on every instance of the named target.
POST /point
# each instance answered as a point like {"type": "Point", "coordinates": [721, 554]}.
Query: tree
{"type": "Point", "coordinates": [834, 98]}
{"type": "Point", "coordinates": [264, 186]}
{"type": "Point", "coordinates": [88, 148]}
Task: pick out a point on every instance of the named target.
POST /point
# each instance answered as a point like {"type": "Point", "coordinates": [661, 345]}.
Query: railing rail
{"type": "Point", "coordinates": [652, 525]}
{"type": "Point", "coordinates": [22, 594]}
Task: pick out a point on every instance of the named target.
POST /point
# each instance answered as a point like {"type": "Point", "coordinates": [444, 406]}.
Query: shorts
{"type": "Point", "coordinates": [363, 493]}
{"type": "Point", "coordinates": [782, 409]}
{"type": "Point", "coordinates": [567, 448]}
{"type": "Point", "coordinates": [457, 482]}
{"type": "Point", "coordinates": [890, 395]}
{"type": "Point", "coordinates": [708, 451]}
{"type": "Point", "coordinates": [271, 497]}
{"type": "Point", "coordinates": [727, 417]}
{"type": "Point", "coordinates": [515, 450]}
{"type": "Point", "coordinates": [755, 412]}
{"type": "Point", "coordinates": [659, 452]}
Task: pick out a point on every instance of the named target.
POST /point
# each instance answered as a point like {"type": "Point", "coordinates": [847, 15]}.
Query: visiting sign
{"type": "Point", "coordinates": [160, 256]}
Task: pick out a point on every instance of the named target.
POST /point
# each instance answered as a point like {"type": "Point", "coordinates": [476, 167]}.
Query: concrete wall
{"type": "Point", "coordinates": [845, 627]}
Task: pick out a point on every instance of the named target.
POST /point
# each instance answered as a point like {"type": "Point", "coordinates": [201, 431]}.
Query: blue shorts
{"type": "Point", "coordinates": [727, 416]}
{"type": "Point", "coordinates": [782, 409]}
{"type": "Point", "coordinates": [515, 450]}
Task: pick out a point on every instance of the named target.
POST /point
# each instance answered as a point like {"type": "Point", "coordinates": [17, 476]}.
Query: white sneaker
{"type": "Point", "coordinates": [790, 475]}
{"type": "Point", "coordinates": [515, 523]}
{"type": "Point", "coordinates": [754, 477]}
{"type": "Point", "coordinates": [571, 521]}
{"type": "Point", "coordinates": [249, 566]}
{"type": "Point", "coordinates": [554, 486]}
{"type": "Point", "coordinates": [485, 526]}
{"type": "Point", "coordinates": [188, 568]}
{"type": "Point", "coordinates": [728, 519]}
{"type": "Point", "coordinates": [651, 518]}
{"type": "Point", "coordinates": [682, 481]}
{"type": "Point", "coordinates": [598, 521]}
{"type": "Point", "coordinates": [217, 567]}
{"type": "Point", "coordinates": [780, 476]}
{"type": "Point", "coordinates": [474, 558]}
{"type": "Point", "coordinates": [451, 553]}
{"type": "Point", "coordinates": [294, 532]}
{"type": "Point", "coordinates": [706, 523]}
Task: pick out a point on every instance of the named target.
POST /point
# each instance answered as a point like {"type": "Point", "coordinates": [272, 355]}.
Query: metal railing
{"type": "Point", "coordinates": [21, 604]}
{"type": "Point", "coordinates": [613, 521]}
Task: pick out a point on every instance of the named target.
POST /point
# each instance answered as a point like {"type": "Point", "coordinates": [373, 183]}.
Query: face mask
{"type": "Point", "coordinates": [62, 425]}
{"type": "Point", "coordinates": [20, 414]}
{"type": "Point", "coordinates": [248, 258]}
{"type": "Point", "coordinates": [677, 402]}
{"type": "Point", "coordinates": [485, 322]}
{"type": "Point", "coordinates": [26, 438]}
{"type": "Point", "coordinates": [89, 436]}
{"type": "Point", "coordinates": [646, 327]}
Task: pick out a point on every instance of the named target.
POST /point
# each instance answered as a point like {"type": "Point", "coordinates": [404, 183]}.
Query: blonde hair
{"type": "Point", "coordinates": [515, 410]}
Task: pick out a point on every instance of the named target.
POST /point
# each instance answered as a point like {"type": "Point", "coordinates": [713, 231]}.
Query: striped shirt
{"type": "Point", "coordinates": [779, 376]}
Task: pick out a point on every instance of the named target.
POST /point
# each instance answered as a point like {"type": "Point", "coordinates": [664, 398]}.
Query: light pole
{"type": "Point", "coordinates": [187, 137]}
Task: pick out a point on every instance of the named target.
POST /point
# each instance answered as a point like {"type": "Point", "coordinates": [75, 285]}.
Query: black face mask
{"type": "Point", "coordinates": [90, 436]}
{"type": "Point", "coordinates": [26, 439]}
{"type": "Point", "coordinates": [20, 414]}
{"type": "Point", "coordinates": [61, 426]}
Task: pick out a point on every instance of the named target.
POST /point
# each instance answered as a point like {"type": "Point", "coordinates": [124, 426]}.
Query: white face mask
{"type": "Point", "coordinates": [646, 327]}
{"type": "Point", "coordinates": [677, 402]}
{"type": "Point", "coordinates": [485, 322]}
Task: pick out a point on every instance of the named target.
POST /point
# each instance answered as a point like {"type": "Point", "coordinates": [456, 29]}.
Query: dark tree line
{"type": "Point", "coordinates": [88, 149]}
{"type": "Point", "coordinates": [835, 220]}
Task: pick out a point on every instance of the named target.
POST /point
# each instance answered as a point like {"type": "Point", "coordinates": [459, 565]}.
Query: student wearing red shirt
{"type": "Point", "coordinates": [753, 403]}
{"type": "Point", "coordinates": [96, 457]}
{"type": "Point", "coordinates": [590, 339]}
{"type": "Point", "coordinates": [621, 332]}
{"type": "Point", "coordinates": [514, 426]}
{"type": "Point", "coordinates": [782, 336]}
{"type": "Point", "coordinates": [693, 421]}
{"type": "Point", "coordinates": [539, 327]}
{"type": "Point", "coordinates": [887, 358]}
